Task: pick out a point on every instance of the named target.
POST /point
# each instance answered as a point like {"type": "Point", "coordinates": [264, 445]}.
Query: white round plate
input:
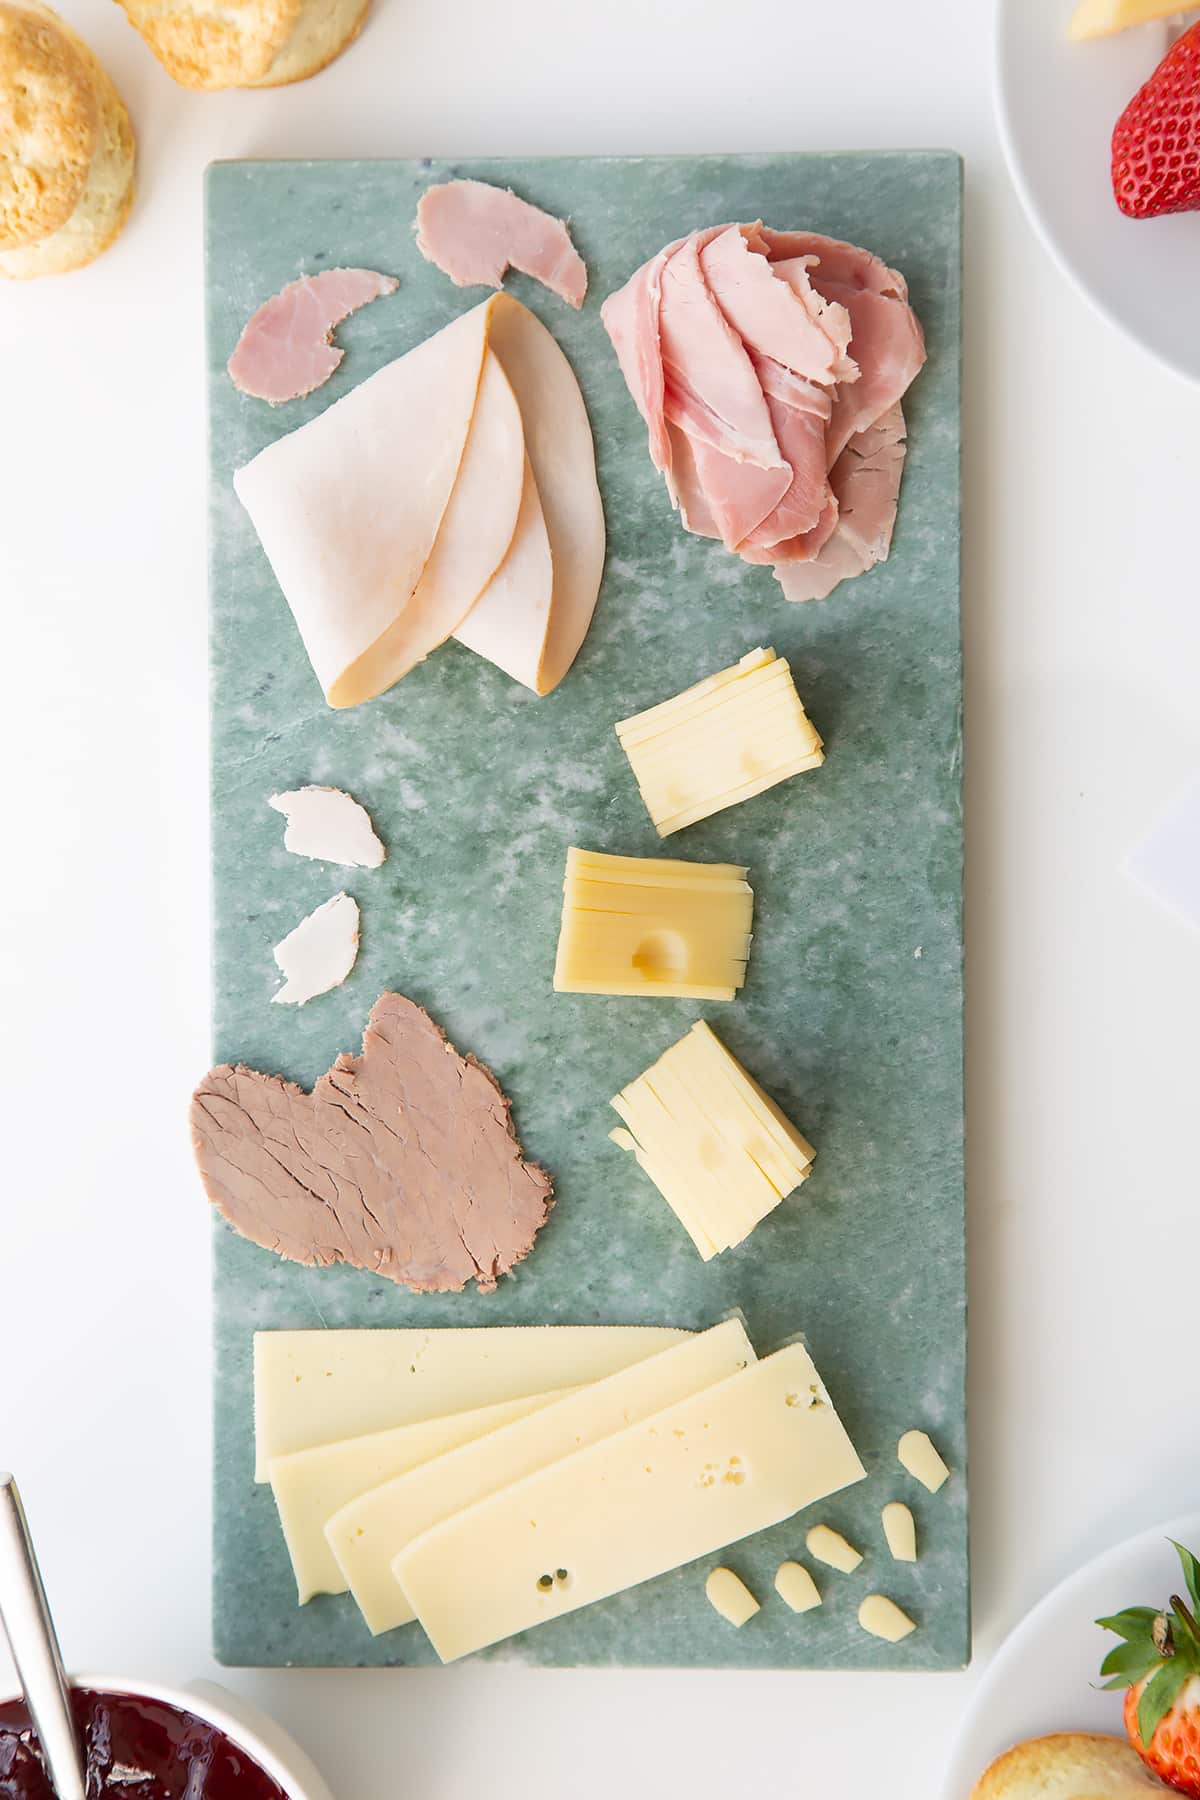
{"type": "Point", "coordinates": [1045, 1675]}
{"type": "Point", "coordinates": [1057, 103]}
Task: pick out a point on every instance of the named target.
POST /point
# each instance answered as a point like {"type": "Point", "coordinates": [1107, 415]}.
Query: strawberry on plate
{"type": "Point", "coordinates": [1158, 1661]}
{"type": "Point", "coordinates": [1156, 141]}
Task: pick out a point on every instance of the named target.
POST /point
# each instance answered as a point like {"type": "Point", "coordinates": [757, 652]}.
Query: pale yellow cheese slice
{"type": "Point", "coordinates": [473, 539]}
{"type": "Point", "coordinates": [369, 1534]}
{"type": "Point", "coordinates": [311, 1485]}
{"type": "Point", "coordinates": [698, 1476]}
{"type": "Point", "coordinates": [1100, 18]}
{"type": "Point", "coordinates": [732, 736]}
{"type": "Point", "coordinates": [558, 439]}
{"type": "Point", "coordinates": [510, 621]}
{"type": "Point", "coordinates": [348, 507]}
{"type": "Point", "coordinates": [319, 1387]}
{"type": "Point", "coordinates": [722, 1154]}
{"type": "Point", "coordinates": [640, 926]}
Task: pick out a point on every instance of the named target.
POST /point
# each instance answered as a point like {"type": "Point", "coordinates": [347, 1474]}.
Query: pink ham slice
{"type": "Point", "coordinates": [786, 319]}
{"type": "Point", "coordinates": [286, 349]}
{"type": "Point", "coordinates": [866, 482]}
{"type": "Point", "coordinates": [474, 233]}
{"type": "Point", "coordinates": [631, 318]}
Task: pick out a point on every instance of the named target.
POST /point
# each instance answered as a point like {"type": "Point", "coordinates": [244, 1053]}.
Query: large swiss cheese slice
{"type": "Point", "coordinates": [681, 1484]}
{"type": "Point", "coordinates": [369, 1534]}
{"type": "Point", "coordinates": [318, 1387]}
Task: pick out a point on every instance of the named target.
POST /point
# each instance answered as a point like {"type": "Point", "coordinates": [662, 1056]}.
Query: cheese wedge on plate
{"type": "Point", "coordinates": [1100, 18]}
{"type": "Point", "coordinates": [699, 1475]}
{"type": "Point", "coordinates": [312, 1485]}
{"type": "Point", "coordinates": [372, 1530]}
{"type": "Point", "coordinates": [320, 1387]}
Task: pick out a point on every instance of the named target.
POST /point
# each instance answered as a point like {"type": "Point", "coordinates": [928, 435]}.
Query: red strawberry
{"type": "Point", "coordinates": [1156, 142]}
{"type": "Point", "coordinates": [1159, 1663]}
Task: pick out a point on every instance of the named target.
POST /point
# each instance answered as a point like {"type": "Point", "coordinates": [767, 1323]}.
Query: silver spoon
{"type": "Point", "coordinates": [34, 1645]}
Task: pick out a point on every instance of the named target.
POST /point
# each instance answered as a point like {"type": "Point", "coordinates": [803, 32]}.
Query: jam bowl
{"type": "Point", "coordinates": [144, 1741]}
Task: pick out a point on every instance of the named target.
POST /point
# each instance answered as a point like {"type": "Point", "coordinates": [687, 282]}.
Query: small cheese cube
{"type": "Point", "coordinates": [730, 1596]}
{"type": "Point", "coordinates": [922, 1461]}
{"type": "Point", "coordinates": [900, 1530]}
{"type": "Point", "coordinates": [884, 1619]}
{"type": "Point", "coordinates": [831, 1548]}
{"type": "Point", "coordinates": [719, 1152]}
{"type": "Point", "coordinates": [796, 1587]}
{"type": "Point", "coordinates": [643, 925]}
{"type": "Point", "coordinates": [722, 741]}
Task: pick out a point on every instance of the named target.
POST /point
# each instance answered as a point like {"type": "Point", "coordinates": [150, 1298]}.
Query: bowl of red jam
{"type": "Point", "coordinates": [146, 1742]}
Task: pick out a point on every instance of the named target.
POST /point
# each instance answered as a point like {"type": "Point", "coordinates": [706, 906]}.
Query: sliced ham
{"type": "Point", "coordinates": [474, 233]}
{"type": "Point", "coordinates": [866, 483]}
{"type": "Point", "coordinates": [769, 367]}
{"type": "Point", "coordinates": [286, 348]}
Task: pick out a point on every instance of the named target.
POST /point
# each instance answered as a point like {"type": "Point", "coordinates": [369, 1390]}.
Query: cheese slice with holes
{"type": "Point", "coordinates": [312, 1485]}
{"type": "Point", "coordinates": [719, 1151]}
{"type": "Point", "coordinates": [720, 742]}
{"type": "Point", "coordinates": [371, 1531]}
{"type": "Point", "coordinates": [643, 925]}
{"type": "Point", "coordinates": [696, 1477]}
{"type": "Point", "coordinates": [319, 1387]}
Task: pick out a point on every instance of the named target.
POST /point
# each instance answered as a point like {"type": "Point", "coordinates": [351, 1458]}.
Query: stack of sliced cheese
{"type": "Point", "coordinates": [484, 1481]}
{"type": "Point", "coordinates": [646, 925]}
{"type": "Point", "coordinates": [453, 493]}
{"type": "Point", "coordinates": [722, 741]}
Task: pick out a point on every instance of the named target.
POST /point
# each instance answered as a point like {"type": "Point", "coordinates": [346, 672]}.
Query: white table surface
{"type": "Point", "coordinates": [1083, 638]}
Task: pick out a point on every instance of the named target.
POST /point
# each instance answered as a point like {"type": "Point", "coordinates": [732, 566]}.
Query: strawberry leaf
{"type": "Point", "coordinates": [1134, 1623]}
{"type": "Point", "coordinates": [1158, 1697]}
{"type": "Point", "coordinates": [1191, 1573]}
{"type": "Point", "coordinates": [1129, 1662]}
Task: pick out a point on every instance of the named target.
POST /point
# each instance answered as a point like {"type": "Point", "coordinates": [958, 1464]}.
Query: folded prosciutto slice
{"type": "Point", "coordinates": [769, 367]}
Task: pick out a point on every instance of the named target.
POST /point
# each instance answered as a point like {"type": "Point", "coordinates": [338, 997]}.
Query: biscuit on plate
{"type": "Point", "coordinates": [66, 147]}
{"type": "Point", "coordinates": [1069, 1765]}
{"type": "Point", "coordinates": [246, 43]}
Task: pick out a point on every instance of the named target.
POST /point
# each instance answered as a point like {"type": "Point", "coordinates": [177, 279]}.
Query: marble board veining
{"type": "Point", "coordinates": [852, 1011]}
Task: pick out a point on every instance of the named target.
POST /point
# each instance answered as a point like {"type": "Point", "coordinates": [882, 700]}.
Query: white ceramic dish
{"type": "Point", "coordinates": [251, 1730]}
{"type": "Point", "coordinates": [1057, 103]}
{"type": "Point", "coordinates": [1045, 1676]}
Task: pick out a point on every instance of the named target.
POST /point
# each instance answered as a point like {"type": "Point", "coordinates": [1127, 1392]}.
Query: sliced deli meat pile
{"type": "Point", "coordinates": [462, 476]}
{"type": "Point", "coordinates": [769, 367]}
{"type": "Point", "coordinates": [402, 1160]}
{"type": "Point", "coordinates": [286, 348]}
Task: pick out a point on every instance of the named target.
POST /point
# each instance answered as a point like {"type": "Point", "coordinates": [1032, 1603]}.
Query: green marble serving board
{"type": "Point", "coordinates": [851, 1014]}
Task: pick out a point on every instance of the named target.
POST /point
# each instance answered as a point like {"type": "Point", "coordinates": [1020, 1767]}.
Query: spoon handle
{"type": "Point", "coordinates": [34, 1645]}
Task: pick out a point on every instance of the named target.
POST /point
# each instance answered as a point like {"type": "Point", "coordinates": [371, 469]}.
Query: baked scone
{"type": "Point", "coordinates": [66, 147]}
{"type": "Point", "coordinates": [246, 43]}
{"type": "Point", "coordinates": [1069, 1765]}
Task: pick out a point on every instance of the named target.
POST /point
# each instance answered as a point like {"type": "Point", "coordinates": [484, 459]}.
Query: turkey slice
{"type": "Point", "coordinates": [510, 621]}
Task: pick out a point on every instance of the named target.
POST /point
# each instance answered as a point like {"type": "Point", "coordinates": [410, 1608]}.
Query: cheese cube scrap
{"type": "Point", "coordinates": [730, 1596]}
{"type": "Point", "coordinates": [720, 742]}
{"type": "Point", "coordinates": [900, 1530]}
{"type": "Point", "coordinates": [796, 1587]}
{"type": "Point", "coordinates": [831, 1548]}
{"type": "Point", "coordinates": [918, 1456]}
{"type": "Point", "coordinates": [643, 925]}
{"type": "Point", "coordinates": [720, 1152]}
{"type": "Point", "coordinates": [884, 1619]}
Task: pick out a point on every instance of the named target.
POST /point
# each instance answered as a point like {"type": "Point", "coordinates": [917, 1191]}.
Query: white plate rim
{"type": "Point", "coordinates": [1037, 217]}
{"type": "Point", "coordinates": [956, 1785]}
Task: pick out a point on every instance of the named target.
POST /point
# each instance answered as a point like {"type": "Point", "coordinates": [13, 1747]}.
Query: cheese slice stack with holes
{"type": "Point", "coordinates": [719, 1151]}
{"type": "Point", "coordinates": [462, 475]}
{"type": "Point", "coordinates": [683, 1483]}
{"type": "Point", "coordinates": [718, 743]}
{"type": "Point", "coordinates": [643, 925]}
{"type": "Point", "coordinates": [370, 1532]}
{"type": "Point", "coordinates": [310, 1486]}
{"type": "Point", "coordinates": [322, 1387]}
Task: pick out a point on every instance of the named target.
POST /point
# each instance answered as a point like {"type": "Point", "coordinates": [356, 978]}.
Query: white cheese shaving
{"type": "Point", "coordinates": [327, 825]}
{"type": "Point", "coordinates": [319, 953]}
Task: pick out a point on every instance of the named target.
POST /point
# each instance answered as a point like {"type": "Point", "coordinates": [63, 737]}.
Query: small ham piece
{"type": "Point", "coordinates": [866, 483]}
{"type": "Point", "coordinates": [475, 233]}
{"type": "Point", "coordinates": [286, 349]}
